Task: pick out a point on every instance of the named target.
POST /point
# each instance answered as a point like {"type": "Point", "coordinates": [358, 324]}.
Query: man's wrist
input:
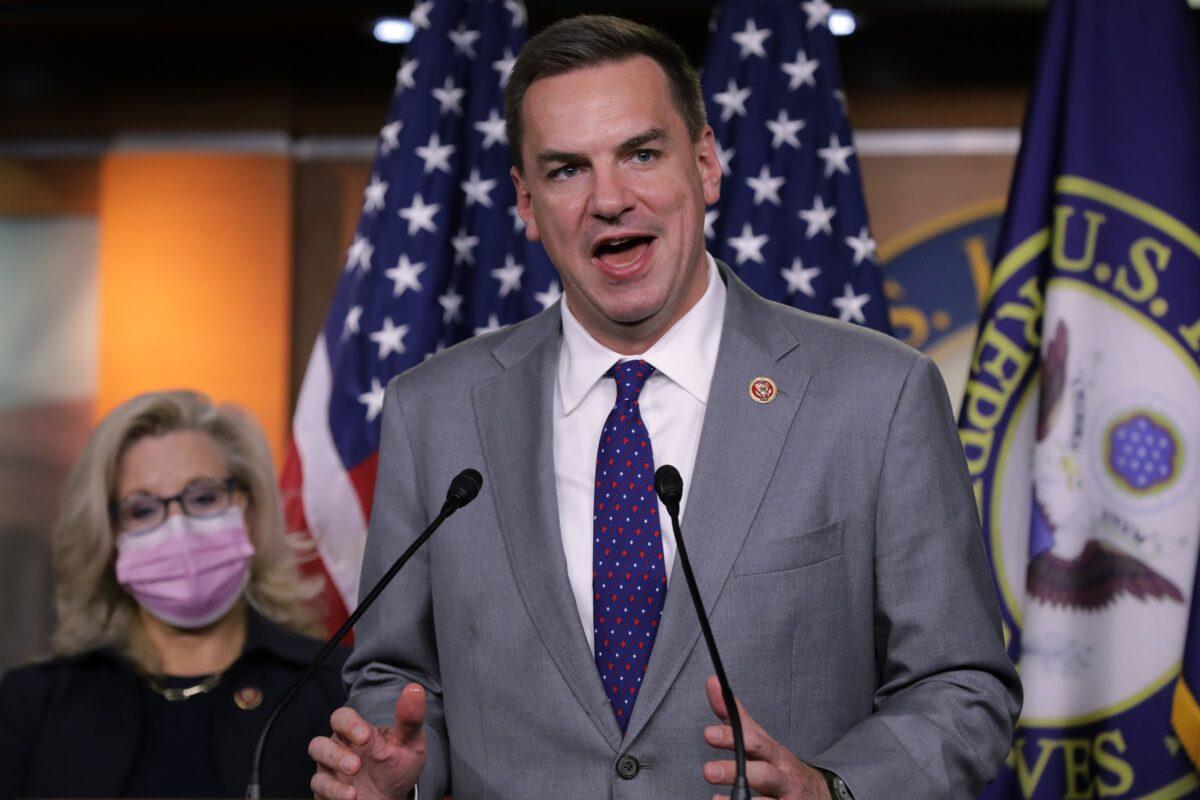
{"type": "Point", "coordinates": [838, 790]}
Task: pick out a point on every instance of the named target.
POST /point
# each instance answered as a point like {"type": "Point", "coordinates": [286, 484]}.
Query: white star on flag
{"type": "Point", "coordinates": [509, 275]}
{"type": "Point", "coordinates": [492, 129]}
{"type": "Point", "coordinates": [464, 40]}
{"type": "Point", "coordinates": [406, 75]}
{"type": "Point", "coordinates": [478, 190]}
{"type": "Point", "coordinates": [783, 129]}
{"type": "Point", "coordinates": [766, 186]}
{"type": "Point", "coordinates": [850, 305]}
{"type": "Point", "coordinates": [451, 303]}
{"type": "Point", "coordinates": [862, 245]}
{"type": "Point", "coordinates": [389, 136]}
{"type": "Point", "coordinates": [818, 12]}
{"type": "Point", "coordinates": [723, 157]}
{"type": "Point", "coordinates": [749, 247]}
{"type": "Point", "coordinates": [750, 40]}
{"type": "Point", "coordinates": [840, 96]}
{"type": "Point", "coordinates": [350, 326]}
{"type": "Point", "coordinates": [518, 223]}
{"type": "Point", "coordinates": [505, 66]}
{"type": "Point", "coordinates": [710, 217]}
{"type": "Point", "coordinates": [373, 399]}
{"type": "Point", "coordinates": [360, 254]}
{"type": "Point", "coordinates": [732, 101]}
{"type": "Point", "coordinates": [390, 338]}
{"type": "Point", "coordinates": [419, 215]}
{"type": "Point", "coordinates": [799, 278]}
{"type": "Point", "coordinates": [449, 96]}
{"type": "Point", "coordinates": [517, 9]}
{"type": "Point", "coordinates": [435, 154]}
{"type": "Point", "coordinates": [405, 276]}
{"type": "Point", "coordinates": [464, 248]}
{"type": "Point", "coordinates": [420, 14]}
{"type": "Point", "coordinates": [835, 156]}
{"type": "Point", "coordinates": [819, 218]}
{"type": "Point", "coordinates": [373, 195]}
{"type": "Point", "coordinates": [802, 71]}
{"type": "Point", "coordinates": [550, 296]}
{"type": "Point", "coordinates": [493, 324]}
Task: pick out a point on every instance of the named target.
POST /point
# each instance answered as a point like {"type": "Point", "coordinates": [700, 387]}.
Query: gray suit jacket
{"type": "Point", "coordinates": [835, 541]}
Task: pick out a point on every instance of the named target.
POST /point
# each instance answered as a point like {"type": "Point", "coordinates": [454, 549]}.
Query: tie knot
{"type": "Point", "coordinates": [630, 376]}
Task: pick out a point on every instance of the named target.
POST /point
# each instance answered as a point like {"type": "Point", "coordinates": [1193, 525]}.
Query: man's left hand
{"type": "Point", "coordinates": [771, 769]}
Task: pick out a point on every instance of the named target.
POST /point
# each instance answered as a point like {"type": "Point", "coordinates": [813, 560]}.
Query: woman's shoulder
{"type": "Point", "coordinates": [49, 670]}
{"type": "Point", "coordinates": [33, 684]}
{"type": "Point", "coordinates": [287, 645]}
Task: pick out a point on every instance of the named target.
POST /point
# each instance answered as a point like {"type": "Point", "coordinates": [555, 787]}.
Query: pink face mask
{"type": "Point", "coordinates": [187, 572]}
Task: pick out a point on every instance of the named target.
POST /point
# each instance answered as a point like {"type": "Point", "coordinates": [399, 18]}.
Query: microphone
{"type": "Point", "coordinates": [668, 485]}
{"type": "Point", "coordinates": [463, 489]}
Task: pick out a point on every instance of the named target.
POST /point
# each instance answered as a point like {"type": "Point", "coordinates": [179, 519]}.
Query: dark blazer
{"type": "Point", "coordinates": [71, 727]}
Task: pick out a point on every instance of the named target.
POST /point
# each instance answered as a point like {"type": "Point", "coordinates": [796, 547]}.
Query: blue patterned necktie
{"type": "Point", "coordinates": [629, 579]}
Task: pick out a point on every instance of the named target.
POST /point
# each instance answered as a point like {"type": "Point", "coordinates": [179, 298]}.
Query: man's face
{"type": "Point", "coordinates": [615, 189]}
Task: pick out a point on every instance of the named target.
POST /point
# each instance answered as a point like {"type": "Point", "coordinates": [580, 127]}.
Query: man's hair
{"type": "Point", "coordinates": [591, 40]}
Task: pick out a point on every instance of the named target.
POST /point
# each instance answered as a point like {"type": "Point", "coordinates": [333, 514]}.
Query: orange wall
{"type": "Point", "coordinates": [195, 280]}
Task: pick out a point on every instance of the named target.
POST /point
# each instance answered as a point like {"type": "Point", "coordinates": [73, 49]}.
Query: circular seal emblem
{"type": "Point", "coordinates": [1081, 428]}
{"type": "Point", "coordinates": [248, 698]}
{"type": "Point", "coordinates": [763, 390]}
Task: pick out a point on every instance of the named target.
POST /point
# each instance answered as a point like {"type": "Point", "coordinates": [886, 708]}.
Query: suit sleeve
{"type": "Point", "coordinates": [948, 695]}
{"type": "Point", "coordinates": [394, 640]}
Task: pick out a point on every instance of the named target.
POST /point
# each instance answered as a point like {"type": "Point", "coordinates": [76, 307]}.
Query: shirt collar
{"type": "Point", "coordinates": [686, 354]}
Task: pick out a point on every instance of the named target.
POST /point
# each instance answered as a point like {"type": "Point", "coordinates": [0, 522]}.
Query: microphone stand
{"type": "Point", "coordinates": [741, 788]}
{"type": "Point", "coordinates": [460, 494]}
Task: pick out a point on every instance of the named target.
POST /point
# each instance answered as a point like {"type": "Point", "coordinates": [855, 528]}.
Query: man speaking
{"type": "Point", "coordinates": [542, 645]}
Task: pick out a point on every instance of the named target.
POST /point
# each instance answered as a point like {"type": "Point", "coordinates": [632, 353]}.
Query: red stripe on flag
{"type": "Point", "coordinates": [362, 477]}
{"type": "Point", "coordinates": [330, 601]}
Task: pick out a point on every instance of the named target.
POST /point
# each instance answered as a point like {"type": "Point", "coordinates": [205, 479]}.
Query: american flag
{"type": "Point", "coordinates": [439, 255]}
{"type": "Point", "coordinates": [791, 220]}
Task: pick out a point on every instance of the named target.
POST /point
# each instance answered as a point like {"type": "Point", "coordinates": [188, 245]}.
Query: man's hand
{"type": "Point", "coordinates": [771, 769]}
{"type": "Point", "coordinates": [360, 762]}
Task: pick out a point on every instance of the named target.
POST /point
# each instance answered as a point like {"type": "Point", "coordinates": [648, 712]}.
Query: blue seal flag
{"type": "Point", "coordinates": [1081, 417]}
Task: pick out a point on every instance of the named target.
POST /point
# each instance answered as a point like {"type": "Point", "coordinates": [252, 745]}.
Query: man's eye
{"type": "Point", "coordinates": [565, 171]}
{"type": "Point", "coordinates": [644, 156]}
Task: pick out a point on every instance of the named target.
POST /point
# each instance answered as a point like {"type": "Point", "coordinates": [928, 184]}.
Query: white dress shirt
{"type": "Point", "coordinates": [672, 405]}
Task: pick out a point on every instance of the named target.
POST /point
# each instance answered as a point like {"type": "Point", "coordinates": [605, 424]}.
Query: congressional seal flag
{"type": "Point", "coordinates": [1081, 418]}
{"type": "Point", "coordinates": [439, 255]}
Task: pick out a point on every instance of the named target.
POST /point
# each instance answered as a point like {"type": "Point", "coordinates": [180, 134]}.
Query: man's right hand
{"type": "Point", "coordinates": [361, 762]}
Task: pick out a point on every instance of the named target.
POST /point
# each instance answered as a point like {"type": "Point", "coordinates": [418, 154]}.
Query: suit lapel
{"type": "Point", "coordinates": [740, 445]}
{"type": "Point", "coordinates": [514, 412]}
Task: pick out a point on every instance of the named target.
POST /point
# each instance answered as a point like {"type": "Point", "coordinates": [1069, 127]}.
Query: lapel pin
{"type": "Point", "coordinates": [248, 698]}
{"type": "Point", "coordinates": [763, 390]}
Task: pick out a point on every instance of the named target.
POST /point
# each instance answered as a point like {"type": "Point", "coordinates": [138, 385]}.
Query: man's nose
{"type": "Point", "coordinates": [611, 195]}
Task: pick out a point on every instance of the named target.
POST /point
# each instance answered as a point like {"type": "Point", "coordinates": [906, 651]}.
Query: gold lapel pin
{"type": "Point", "coordinates": [248, 698]}
{"type": "Point", "coordinates": [763, 390]}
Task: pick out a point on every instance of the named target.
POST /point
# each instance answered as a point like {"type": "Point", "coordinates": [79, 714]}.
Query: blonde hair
{"type": "Point", "coordinates": [93, 610]}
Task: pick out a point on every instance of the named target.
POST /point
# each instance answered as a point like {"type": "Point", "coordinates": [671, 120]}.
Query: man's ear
{"type": "Point", "coordinates": [525, 205]}
{"type": "Point", "coordinates": [708, 165]}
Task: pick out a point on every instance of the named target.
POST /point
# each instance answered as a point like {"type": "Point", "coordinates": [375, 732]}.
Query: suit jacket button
{"type": "Point", "coordinates": [628, 767]}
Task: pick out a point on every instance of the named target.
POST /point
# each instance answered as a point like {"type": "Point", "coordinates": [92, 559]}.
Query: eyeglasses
{"type": "Point", "coordinates": [142, 512]}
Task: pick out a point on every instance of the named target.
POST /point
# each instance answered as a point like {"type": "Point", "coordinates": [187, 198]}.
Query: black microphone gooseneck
{"type": "Point", "coordinates": [668, 484]}
{"type": "Point", "coordinates": [463, 489]}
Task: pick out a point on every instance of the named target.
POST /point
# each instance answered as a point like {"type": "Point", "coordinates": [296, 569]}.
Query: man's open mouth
{"type": "Point", "coordinates": [620, 253]}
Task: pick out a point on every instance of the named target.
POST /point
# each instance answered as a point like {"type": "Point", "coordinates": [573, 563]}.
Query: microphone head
{"type": "Point", "coordinates": [668, 484]}
{"type": "Point", "coordinates": [465, 487]}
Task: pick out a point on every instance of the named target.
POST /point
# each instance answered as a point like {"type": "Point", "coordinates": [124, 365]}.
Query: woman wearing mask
{"type": "Point", "coordinates": [181, 616]}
